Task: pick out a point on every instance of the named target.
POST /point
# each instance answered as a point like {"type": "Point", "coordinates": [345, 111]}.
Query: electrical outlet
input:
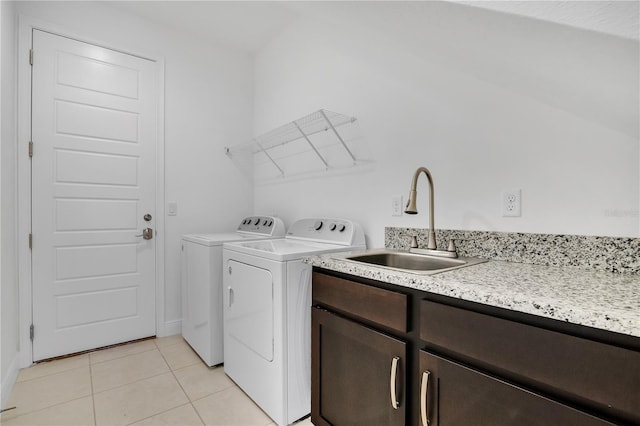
{"type": "Point", "coordinates": [511, 203]}
{"type": "Point", "coordinates": [396, 205]}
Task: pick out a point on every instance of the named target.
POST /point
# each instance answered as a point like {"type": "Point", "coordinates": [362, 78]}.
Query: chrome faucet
{"type": "Point", "coordinates": [412, 209]}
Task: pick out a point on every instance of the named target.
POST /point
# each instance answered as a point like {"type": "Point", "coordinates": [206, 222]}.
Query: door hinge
{"type": "Point", "coordinates": [30, 56]}
{"type": "Point", "coordinates": [30, 149]}
{"type": "Point", "coordinates": [30, 241]}
{"type": "Point", "coordinates": [31, 332]}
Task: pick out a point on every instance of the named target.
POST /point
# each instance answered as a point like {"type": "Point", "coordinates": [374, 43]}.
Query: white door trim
{"type": "Point", "coordinates": [25, 26]}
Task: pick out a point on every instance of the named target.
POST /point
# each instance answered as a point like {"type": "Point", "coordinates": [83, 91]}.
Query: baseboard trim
{"type": "Point", "coordinates": [9, 380]}
{"type": "Point", "coordinates": [171, 328]}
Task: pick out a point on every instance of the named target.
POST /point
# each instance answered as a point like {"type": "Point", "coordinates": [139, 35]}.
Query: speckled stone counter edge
{"type": "Point", "coordinates": [591, 298]}
{"type": "Point", "coordinates": [610, 254]}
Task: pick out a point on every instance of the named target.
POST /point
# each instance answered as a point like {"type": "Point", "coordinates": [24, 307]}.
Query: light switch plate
{"type": "Point", "coordinates": [172, 208]}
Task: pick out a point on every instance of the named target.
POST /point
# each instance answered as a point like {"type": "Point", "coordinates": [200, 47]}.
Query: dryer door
{"type": "Point", "coordinates": [249, 310]}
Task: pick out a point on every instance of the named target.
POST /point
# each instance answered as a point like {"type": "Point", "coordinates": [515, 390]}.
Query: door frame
{"type": "Point", "coordinates": [26, 25]}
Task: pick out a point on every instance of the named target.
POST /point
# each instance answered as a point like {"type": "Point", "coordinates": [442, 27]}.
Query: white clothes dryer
{"type": "Point", "coordinates": [267, 313]}
{"type": "Point", "coordinates": [202, 317]}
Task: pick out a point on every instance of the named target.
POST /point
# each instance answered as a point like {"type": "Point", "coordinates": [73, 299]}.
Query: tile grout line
{"type": "Point", "coordinates": [146, 378]}
{"type": "Point", "coordinates": [181, 387]}
{"type": "Point", "coordinates": [198, 359]}
{"type": "Point", "coordinates": [135, 381]}
{"type": "Point", "coordinates": [90, 363]}
{"type": "Point", "coordinates": [28, 413]}
{"type": "Point", "coordinates": [123, 356]}
{"type": "Point", "coordinates": [157, 414]}
{"type": "Point", "coordinates": [88, 354]}
{"type": "Point", "coordinates": [171, 344]}
{"type": "Point", "coordinates": [170, 370]}
{"type": "Point", "coordinates": [49, 374]}
{"type": "Point", "coordinates": [7, 415]}
{"type": "Point", "coordinates": [93, 398]}
{"type": "Point", "coordinates": [234, 385]}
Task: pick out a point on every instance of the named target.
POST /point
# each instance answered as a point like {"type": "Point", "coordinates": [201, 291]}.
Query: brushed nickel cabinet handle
{"type": "Point", "coordinates": [424, 393]}
{"type": "Point", "coordinates": [392, 385]}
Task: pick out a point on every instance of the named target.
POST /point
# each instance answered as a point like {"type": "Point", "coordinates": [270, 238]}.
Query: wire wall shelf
{"type": "Point", "coordinates": [322, 140]}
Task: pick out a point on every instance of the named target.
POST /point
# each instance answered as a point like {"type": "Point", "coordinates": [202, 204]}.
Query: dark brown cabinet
{"type": "Point", "coordinates": [448, 362]}
{"type": "Point", "coordinates": [585, 372]}
{"type": "Point", "coordinates": [358, 374]}
{"type": "Point", "coordinates": [452, 394]}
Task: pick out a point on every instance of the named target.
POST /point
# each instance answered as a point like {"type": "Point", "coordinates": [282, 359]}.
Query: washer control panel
{"type": "Point", "coordinates": [336, 231]}
{"type": "Point", "coordinates": [263, 225]}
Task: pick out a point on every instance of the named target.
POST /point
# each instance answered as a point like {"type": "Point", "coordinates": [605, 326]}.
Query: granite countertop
{"type": "Point", "coordinates": [598, 299]}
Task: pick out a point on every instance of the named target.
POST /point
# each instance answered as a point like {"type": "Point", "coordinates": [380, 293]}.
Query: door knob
{"type": "Point", "coordinates": [147, 217]}
{"type": "Point", "coordinates": [147, 234]}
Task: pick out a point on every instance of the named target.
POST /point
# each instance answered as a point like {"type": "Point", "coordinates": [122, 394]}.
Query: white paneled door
{"type": "Point", "coordinates": [93, 182]}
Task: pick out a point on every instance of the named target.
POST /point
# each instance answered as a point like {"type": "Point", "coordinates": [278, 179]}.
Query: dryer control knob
{"type": "Point", "coordinates": [333, 226]}
{"type": "Point", "coordinates": [342, 228]}
{"type": "Point", "coordinates": [318, 225]}
{"type": "Point", "coordinates": [264, 222]}
{"type": "Point", "coordinates": [257, 221]}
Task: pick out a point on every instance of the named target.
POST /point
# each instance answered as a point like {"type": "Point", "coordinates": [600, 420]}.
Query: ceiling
{"type": "Point", "coordinates": [245, 25]}
{"type": "Point", "coordinates": [250, 25]}
{"type": "Point", "coordinates": [619, 18]}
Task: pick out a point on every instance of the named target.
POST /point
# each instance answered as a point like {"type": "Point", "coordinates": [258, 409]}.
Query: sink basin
{"type": "Point", "coordinates": [411, 262]}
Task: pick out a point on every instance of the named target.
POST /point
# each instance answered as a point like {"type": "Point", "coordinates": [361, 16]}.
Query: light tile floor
{"type": "Point", "coordinates": [152, 382]}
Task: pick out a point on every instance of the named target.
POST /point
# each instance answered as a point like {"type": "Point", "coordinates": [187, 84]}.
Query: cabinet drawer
{"type": "Point", "coordinates": [384, 307]}
{"type": "Point", "coordinates": [452, 394]}
{"type": "Point", "coordinates": [587, 372]}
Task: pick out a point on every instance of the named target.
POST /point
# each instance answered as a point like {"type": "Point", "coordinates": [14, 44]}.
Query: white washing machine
{"type": "Point", "coordinates": [267, 313]}
{"type": "Point", "coordinates": [202, 318]}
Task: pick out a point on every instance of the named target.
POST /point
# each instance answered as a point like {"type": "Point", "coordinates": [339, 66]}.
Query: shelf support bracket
{"type": "Point", "coordinates": [304, 135]}
{"type": "Point", "coordinates": [338, 136]}
{"type": "Point", "coordinates": [269, 157]}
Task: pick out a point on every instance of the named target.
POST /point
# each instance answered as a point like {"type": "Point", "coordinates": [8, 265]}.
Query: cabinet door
{"type": "Point", "coordinates": [357, 374]}
{"type": "Point", "coordinates": [587, 372]}
{"type": "Point", "coordinates": [452, 394]}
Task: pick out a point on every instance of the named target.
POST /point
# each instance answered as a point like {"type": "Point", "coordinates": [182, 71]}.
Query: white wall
{"type": "Point", "coordinates": [208, 104]}
{"type": "Point", "coordinates": [9, 342]}
{"type": "Point", "coordinates": [487, 101]}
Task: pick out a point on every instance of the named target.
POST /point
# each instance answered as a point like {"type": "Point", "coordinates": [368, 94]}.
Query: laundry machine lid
{"type": "Point", "coordinates": [285, 249]}
{"type": "Point", "coordinates": [218, 239]}
{"type": "Point", "coordinates": [250, 228]}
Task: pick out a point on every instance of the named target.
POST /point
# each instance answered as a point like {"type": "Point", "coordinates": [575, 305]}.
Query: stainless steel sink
{"type": "Point", "coordinates": [410, 262]}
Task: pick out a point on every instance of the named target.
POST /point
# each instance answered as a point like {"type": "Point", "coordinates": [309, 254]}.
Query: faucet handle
{"type": "Point", "coordinates": [452, 246]}
{"type": "Point", "coordinates": [414, 242]}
